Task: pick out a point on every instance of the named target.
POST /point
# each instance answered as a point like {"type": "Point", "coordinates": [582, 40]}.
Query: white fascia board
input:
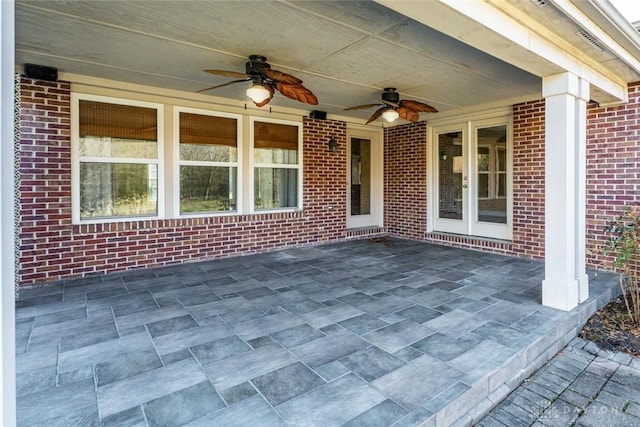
{"type": "Point", "coordinates": [577, 16]}
{"type": "Point", "coordinates": [609, 19]}
{"type": "Point", "coordinates": [490, 29]}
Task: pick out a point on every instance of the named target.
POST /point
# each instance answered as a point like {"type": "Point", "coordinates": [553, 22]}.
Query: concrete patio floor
{"type": "Point", "coordinates": [355, 333]}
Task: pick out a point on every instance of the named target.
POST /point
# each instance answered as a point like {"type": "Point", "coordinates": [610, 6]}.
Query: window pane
{"type": "Point", "coordinates": [483, 185]}
{"type": "Point", "coordinates": [105, 146]}
{"type": "Point", "coordinates": [208, 138]}
{"type": "Point", "coordinates": [118, 121]}
{"type": "Point", "coordinates": [208, 153]}
{"type": "Point", "coordinates": [450, 165]}
{"type": "Point", "coordinates": [483, 159]}
{"type": "Point", "coordinates": [360, 176]}
{"type": "Point", "coordinates": [502, 185]}
{"type": "Point", "coordinates": [502, 160]}
{"type": "Point", "coordinates": [118, 189]}
{"type": "Point", "coordinates": [275, 156]}
{"type": "Point", "coordinates": [275, 188]}
{"type": "Point", "coordinates": [275, 143]}
{"type": "Point", "coordinates": [207, 189]}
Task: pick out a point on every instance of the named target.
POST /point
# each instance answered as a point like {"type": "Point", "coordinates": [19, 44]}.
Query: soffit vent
{"type": "Point", "coordinates": [541, 3]}
{"type": "Point", "coordinates": [588, 37]}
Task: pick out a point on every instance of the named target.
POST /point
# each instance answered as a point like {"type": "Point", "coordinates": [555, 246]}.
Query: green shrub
{"type": "Point", "coordinates": [624, 246]}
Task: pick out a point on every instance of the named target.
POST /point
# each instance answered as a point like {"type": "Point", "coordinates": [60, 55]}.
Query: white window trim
{"type": "Point", "coordinates": [177, 162]}
{"type": "Point", "coordinates": [252, 165]}
{"type": "Point", "coordinates": [76, 158]}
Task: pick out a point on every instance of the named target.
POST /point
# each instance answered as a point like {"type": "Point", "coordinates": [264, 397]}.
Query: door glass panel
{"type": "Point", "coordinates": [450, 175]}
{"type": "Point", "coordinates": [360, 176]}
{"type": "Point", "coordinates": [491, 167]}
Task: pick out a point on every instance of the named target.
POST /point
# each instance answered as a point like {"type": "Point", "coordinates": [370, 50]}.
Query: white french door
{"type": "Point", "coordinates": [472, 178]}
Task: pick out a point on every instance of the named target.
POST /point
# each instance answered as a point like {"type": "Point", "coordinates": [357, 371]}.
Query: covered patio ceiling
{"type": "Point", "coordinates": [345, 52]}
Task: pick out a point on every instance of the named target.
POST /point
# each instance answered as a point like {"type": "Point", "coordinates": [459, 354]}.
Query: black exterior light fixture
{"type": "Point", "coordinates": [332, 144]}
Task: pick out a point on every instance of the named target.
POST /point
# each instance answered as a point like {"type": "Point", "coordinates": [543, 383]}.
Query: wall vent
{"type": "Point", "coordinates": [541, 3]}
{"type": "Point", "coordinates": [588, 37]}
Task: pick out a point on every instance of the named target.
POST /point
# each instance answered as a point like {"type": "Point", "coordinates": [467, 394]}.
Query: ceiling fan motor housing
{"type": "Point", "coordinates": [390, 95]}
{"type": "Point", "coordinates": [256, 64]}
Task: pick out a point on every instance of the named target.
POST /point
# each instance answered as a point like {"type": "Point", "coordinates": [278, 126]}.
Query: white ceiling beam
{"type": "Point", "coordinates": [515, 40]}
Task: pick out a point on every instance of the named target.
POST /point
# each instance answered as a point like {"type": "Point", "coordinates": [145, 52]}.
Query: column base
{"type": "Point", "coordinates": [583, 288]}
{"type": "Point", "coordinates": [560, 295]}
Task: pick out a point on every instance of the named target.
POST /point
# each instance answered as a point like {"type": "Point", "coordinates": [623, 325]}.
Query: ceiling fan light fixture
{"type": "Point", "coordinates": [258, 93]}
{"type": "Point", "coordinates": [390, 115]}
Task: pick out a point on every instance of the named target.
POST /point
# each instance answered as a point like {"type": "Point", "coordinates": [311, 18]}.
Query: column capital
{"type": "Point", "coordinates": [584, 88]}
{"type": "Point", "coordinates": [561, 84]}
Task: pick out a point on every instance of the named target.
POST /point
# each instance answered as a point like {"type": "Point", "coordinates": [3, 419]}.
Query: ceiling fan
{"type": "Point", "coordinates": [393, 107]}
{"type": "Point", "coordinates": [265, 81]}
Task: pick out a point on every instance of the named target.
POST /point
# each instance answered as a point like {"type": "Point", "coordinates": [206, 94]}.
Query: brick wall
{"type": "Point", "coordinates": [45, 180]}
{"type": "Point", "coordinates": [528, 179]}
{"type": "Point", "coordinates": [53, 249]}
{"type": "Point", "coordinates": [613, 167]}
{"type": "Point", "coordinates": [613, 173]}
{"type": "Point", "coordinates": [405, 180]}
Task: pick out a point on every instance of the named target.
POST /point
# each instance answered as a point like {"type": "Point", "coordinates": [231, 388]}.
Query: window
{"type": "Point", "coordinates": [277, 180]}
{"type": "Point", "coordinates": [492, 172]}
{"type": "Point", "coordinates": [118, 159]}
{"type": "Point", "coordinates": [208, 162]}
{"type": "Point", "coordinates": [129, 163]}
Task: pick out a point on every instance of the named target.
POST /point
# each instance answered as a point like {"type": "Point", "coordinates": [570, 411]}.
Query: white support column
{"type": "Point", "coordinates": [581, 189]}
{"type": "Point", "coordinates": [565, 141]}
{"type": "Point", "coordinates": [7, 250]}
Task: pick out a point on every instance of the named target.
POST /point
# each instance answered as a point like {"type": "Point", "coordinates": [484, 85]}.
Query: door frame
{"type": "Point", "coordinates": [468, 124]}
{"type": "Point", "coordinates": [376, 217]}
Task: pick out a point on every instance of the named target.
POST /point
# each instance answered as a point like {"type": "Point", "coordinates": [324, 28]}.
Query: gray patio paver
{"type": "Point", "coordinates": [176, 341]}
{"type": "Point", "coordinates": [416, 382]}
{"type": "Point", "coordinates": [446, 348]}
{"type": "Point", "coordinates": [267, 325]}
{"type": "Point", "coordinates": [183, 406]}
{"type": "Point", "coordinates": [398, 335]}
{"type": "Point", "coordinates": [371, 363]}
{"type": "Point", "coordinates": [352, 333]}
{"type": "Point", "coordinates": [329, 315]}
{"type": "Point", "coordinates": [124, 394]}
{"type": "Point", "coordinates": [329, 348]}
{"type": "Point", "coordinates": [142, 318]}
{"type": "Point", "coordinates": [243, 414]}
{"type": "Point", "coordinates": [287, 383]}
{"type": "Point", "coordinates": [246, 366]}
{"type": "Point", "coordinates": [45, 404]}
{"type": "Point", "coordinates": [331, 404]}
{"type": "Point", "coordinates": [102, 352]}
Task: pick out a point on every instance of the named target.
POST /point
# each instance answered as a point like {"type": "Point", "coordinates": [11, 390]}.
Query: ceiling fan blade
{"type": "Point", "coordinates": [280, 77]}
{"type": "Point", "coordinates": [362, 107]}
{"type": "Point", "coordinates": [226, 73]}
{"type": "Point", "coordinates": [266, 101]}
{"type": "Point", "coordinates": [408, 114]}
{"type": "Point", "coordinates": [377, 114]}
{"type": "Point", "coordinates": [224, 84]}
{"type": "Point", "coordinates": [297, 92]}
{"type": "Point", "coordinates": [418, 106]}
